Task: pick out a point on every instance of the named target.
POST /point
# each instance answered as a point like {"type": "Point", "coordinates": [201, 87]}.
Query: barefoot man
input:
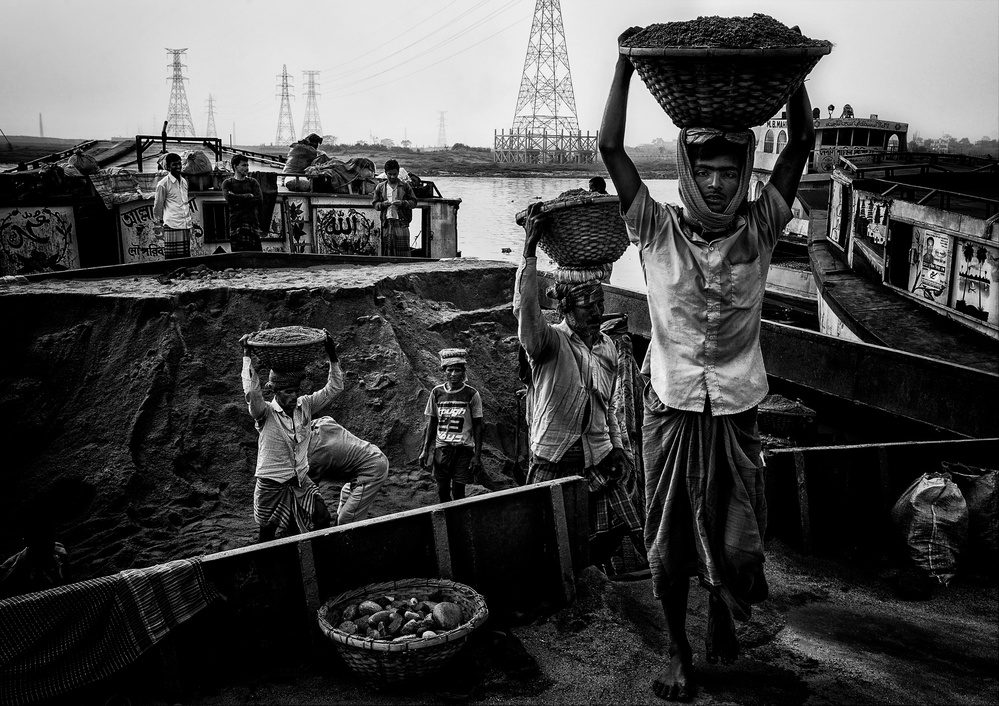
{"type": "Point", "coordinates": [706, 267]}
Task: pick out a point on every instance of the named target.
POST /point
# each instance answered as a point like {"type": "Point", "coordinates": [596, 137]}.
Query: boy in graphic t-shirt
{"type": "Point", "coordinates": [454, 428]}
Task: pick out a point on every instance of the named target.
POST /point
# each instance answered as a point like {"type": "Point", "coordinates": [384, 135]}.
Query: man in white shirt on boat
{"type": "Point", "coordinates": [172, 210]}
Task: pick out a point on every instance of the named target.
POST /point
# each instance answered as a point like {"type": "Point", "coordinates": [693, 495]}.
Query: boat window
{"type": "Point", "coordinates": [216, 222]}
{"type": "Point", "coordinates": [781, 140]}
{"type": "Point", "coordinates": [768, 141]}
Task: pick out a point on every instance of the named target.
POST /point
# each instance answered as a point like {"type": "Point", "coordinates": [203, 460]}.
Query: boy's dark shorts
{"type": "Point", "coordinates": [453, 463]}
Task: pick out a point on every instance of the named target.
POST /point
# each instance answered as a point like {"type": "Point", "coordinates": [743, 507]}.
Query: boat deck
{"type": "Point", "coordinates": [886, 319]}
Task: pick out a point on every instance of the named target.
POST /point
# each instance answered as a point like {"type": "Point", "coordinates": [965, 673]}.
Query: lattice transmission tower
{"type": "Point", "coordinates": [545, 128]}
{"type": "Point", "coordinates": [285, 128]}
{"type": "Point", "coordinates": [441, 135]}
{"type": "Point", "coordinates": [546, 100]}
{"type": "Point", "coordinates": [211, 132]}
{"type": "Point", "coordinates": [179, 122]}
{"type": "Point", "coordinates": [312, 122]}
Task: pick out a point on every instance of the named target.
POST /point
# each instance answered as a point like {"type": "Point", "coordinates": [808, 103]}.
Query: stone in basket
{"type": "Point", "coordinates": [729, 73]}
{"type": "Point", "coordinates": [386, 647]}
{"type": "Point", "coordinates": [584, 229]}
{"type": "Point", "coordinates": [287, 348]}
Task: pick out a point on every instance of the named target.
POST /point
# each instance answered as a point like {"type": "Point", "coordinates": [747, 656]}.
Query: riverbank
{"type": "Point", "coordinates": [465, 161]}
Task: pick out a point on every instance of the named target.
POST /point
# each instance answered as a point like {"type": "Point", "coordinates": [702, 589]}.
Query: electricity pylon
{"type": "Point", "coordinates": [210, 132]}
{"type": "Point", "coordinates": [441, 135]}
{"type": "Point", "coordinates": [546, 101]}
{"type": "Point", "coordinates": [179, 122]}
{"type": "Point", "coordinates": [312, 122]}
{"type": "Point", "coordinates": [285, 128]}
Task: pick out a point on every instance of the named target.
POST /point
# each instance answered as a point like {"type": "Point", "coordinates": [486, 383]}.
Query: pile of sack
{"type": "Point", "coordinates": [950, 521]}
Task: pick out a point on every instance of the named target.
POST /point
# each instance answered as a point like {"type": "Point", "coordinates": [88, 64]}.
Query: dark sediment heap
{"type": "Point", "coordinates": [124, 412]}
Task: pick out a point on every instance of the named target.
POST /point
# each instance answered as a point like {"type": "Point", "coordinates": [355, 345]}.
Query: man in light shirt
{"type": "Point", "coordinates": [395, 200]}
{"type": "Point", "coordinates": [172, 210]}
{"type": "Point", "coordinates": [284, 495]}
{"type": "Point", "coordinates": [706, 268]}
{"type": "Point", "coordinates": [573, 374]}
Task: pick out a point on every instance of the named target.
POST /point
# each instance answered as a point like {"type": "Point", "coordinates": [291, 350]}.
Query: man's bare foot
{"type": "Point", "coordinates": [721, 643]}
{"type": "Point", "coordinates": [676, 682]}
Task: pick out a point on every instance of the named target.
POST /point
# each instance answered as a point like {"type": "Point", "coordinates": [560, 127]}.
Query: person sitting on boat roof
{"type": "Point", "coordinates": [573, 375]}
{"type": "Point", "coordinates": [172, 210]}
{"type": "Point", "coordinates": [395, 200]}
{"type": "Point", "coordinates": [452, 442]}
{"type": "Point", "coordinates": [706, 267]}
{"type": "Point", "coordinates": [245, 199]}
{"type": "Point", "coordinates": [284, 494]}
{"type": "Point", "coordinates": [597, 185]}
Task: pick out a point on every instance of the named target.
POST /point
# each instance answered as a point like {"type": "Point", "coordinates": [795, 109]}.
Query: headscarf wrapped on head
{"type": "Point", "coordinates": [696, 209]}
{"type": "Point", "coordinates": [569, 294]}
{"type": "Point", "coordinates": [453, 356]}
{"type": "Point", "coordinates": [283, 380]}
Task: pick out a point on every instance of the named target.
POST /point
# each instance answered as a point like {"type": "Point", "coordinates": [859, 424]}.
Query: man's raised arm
{"type": "Point", "coordinates": [611, 142]}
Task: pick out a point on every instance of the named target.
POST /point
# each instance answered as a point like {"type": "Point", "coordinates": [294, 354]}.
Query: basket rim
{"type": "Point", "coordinates": [320, 336]}
{"type": "Point", "coordinates": [420, 643]}
{"type": "Point", "coordinates": [708, 52]}
{"type": "Point", "coordinates": [582, 200]}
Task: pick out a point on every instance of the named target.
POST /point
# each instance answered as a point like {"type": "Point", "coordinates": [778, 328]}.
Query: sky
{"type": "Point", "coordinates": [405, 69]}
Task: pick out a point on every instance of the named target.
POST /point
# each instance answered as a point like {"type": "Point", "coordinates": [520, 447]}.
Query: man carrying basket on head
{"type": "Point", "coordinates": [706, 267]}
{"type": "Point", "coordinates": [573, 426]}
{"type": "Point", "coordinates": [284, 494]}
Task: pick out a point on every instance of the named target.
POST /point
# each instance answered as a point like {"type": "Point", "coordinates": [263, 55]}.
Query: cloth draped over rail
{"type": "Point", "coordinates": [66, 637]}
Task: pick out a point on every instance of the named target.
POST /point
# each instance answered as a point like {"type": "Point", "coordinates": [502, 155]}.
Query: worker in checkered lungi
{"type": "Point", "coordinates": [573, 427]}
{"type": "Point", "coordinates": [172, 210]}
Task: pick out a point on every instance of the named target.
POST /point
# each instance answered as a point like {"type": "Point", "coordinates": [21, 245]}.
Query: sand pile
{"type": "Point", "coordinates": [124, 412]}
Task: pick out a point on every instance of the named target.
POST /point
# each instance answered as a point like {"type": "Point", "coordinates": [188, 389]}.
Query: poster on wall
{"type": "Point", "coordinates": [872, 223]}
{"type": "Point", "coordinates": [929, 266]}
{"type": "Point", "coordinates": [977, 279]}
{"type": "Point", "coordinates": [37, 240]}
{"type": "Point", "coordinates": [296, 216]}
{"type": "Point", "coordinates": [142, 239]}
{"type": "Point", "coordinates": [345, 231]}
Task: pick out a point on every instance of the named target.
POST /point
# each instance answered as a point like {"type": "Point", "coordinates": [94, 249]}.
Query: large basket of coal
{"type": "Point", "coordinates": [583, 229]}
{"type": "Point", "coordinates": [287, 348]}
{"type": "Point", "coordinates": [730, 73]}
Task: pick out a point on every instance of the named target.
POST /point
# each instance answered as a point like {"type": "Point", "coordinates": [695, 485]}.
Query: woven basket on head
{"type": "Point", "coordinates": [728, 89]}
{"type": "Point", "coordinates": [287, 348]}
{"type": "Point", "coordinates": [583, 231]}
{"type": "Point", "coordinates": [383, 662]}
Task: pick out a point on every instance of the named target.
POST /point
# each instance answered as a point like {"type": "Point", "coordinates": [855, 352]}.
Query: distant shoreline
{"type": "Point", "coordinates": [463, 162]}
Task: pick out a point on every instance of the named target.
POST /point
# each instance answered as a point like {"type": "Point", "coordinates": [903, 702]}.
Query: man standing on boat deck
{"type": "Point", "coordinates": [242, 193]}
{"type": "Point", "coordinates": [395, 200]}
{"type": "Point", "coordinates": [706, 267]}
{"type": "Point", "coordinates": [573, 373]}
{"type": "Point", "coordinates": [284, 493]}
{"type": "Point", "coordinates": [172, 210]}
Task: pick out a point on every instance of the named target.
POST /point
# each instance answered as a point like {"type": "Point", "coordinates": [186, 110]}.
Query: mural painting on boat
{"type": "Point", "coordinates": [871, 226]}
{"type": "Point", "coordinates": [37, 240]}
{"type": "Point", "coordinates": [977, 277]}
{"type": "Point", "coordinates": [139, 240]}
{"type": "Point", "coordinates": [297, 225]}
{"type": "Point", "coordinates": [930, 263]}
{"type": "Point", "coordinates": [345, 231]}
{"type": "Point", "coordinates": [275, 229]}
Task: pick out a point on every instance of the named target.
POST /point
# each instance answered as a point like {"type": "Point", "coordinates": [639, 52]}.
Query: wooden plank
{"type": "Point", "coordinates": [803, 509]}
{"type": "Point", "coordinates": [562, 543]}
{"type": "Point", "coordinates": [441, 544]}
{"type": "Point", "coordinates": [307, 563]}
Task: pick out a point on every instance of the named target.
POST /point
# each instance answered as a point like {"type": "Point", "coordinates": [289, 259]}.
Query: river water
{"type": "Point", "coordinates": [489, 205]}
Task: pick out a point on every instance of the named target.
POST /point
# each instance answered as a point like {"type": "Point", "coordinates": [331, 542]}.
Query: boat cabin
{"type": "Point", "coordinates": [51, 220]}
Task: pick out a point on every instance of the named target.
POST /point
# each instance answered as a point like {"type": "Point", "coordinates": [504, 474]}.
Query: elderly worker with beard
{"type": "Point", "coordinates": [706, 267]}
{"type": "Point", "coordinates": [573, 428]}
